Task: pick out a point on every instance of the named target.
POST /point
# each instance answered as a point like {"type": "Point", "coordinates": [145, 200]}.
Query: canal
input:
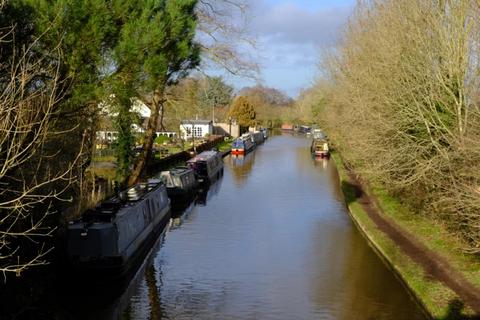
{"type": "Point", "coordinates": [271, 240]}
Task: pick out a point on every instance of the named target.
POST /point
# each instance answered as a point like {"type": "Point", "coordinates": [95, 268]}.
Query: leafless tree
{"type": "Point", "coordinates": [225, 38]}
{"type": "Point", "coordinates": [404, 104]}
{"type": "Point", "coordinates": [33, 173]}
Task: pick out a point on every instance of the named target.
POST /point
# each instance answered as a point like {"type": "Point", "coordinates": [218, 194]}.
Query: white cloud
{"type": "Point", "coordinates": [290, 23]}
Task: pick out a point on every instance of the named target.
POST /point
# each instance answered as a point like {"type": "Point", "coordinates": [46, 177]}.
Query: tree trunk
{"type": "Point", "coordinates": [143, 159]}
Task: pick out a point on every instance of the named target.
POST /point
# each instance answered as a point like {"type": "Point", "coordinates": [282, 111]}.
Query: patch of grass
{"type": "Point", "coordinates": [105, 173]}
{"type": "Point", "coordinates": [104, 159]}
{"type": "Point", "coordinates": [437, 299]}
{"type": "Point", "coordinates": [225, 145]}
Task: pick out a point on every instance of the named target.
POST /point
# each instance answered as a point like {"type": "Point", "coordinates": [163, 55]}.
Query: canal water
{"type": "Point", "coordinates": [271, 240]}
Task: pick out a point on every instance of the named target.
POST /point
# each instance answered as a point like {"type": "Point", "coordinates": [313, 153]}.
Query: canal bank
{"type": "Point", "coordinates": [426, 257]}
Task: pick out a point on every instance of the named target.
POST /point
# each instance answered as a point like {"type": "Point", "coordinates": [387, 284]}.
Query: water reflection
{"type": "Point", "coordinates": [241, 166]}
{"type": "Point", "coordinates": [278, 245]}
{"type": "Point", "coordinates": [109, 302]}
{"type": "Point", "coordinates": [207, 191]}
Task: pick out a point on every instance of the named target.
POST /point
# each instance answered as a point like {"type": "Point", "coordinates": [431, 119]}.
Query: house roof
{"type": "Point", "coordinates": [196, 122]}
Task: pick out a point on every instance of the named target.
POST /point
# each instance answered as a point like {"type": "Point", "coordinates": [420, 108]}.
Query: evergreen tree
{"type": "Point", "coordinates": [157, 47]}
{"type": "Point", "coordinates": [215, 93]}
{"type": "Point", "coordinates": [243, 112]}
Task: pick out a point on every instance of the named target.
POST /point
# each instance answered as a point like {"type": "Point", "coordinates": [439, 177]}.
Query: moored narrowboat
{"type": "Point", "coordinates": [257, 137]}
{"type": "Point", "coordinates": [208, 166]}
{"type": "Point", "coordinates": [242, 145]}
{"type": "Point", "coordinates": [320, 148]}
{"type": "Point", "coordinates": [110, 239]}
{"type": "Point", "coordinates": [265, 133]}
{"type": "Point", "coordinates": [179, 181]}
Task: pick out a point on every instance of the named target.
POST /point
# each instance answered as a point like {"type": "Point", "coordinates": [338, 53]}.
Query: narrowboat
{"type": "Point", "coordinates": [320, 148]}
{"type": "Point", "coordinates": [318, 134]}
{"type": "Point", "coordinates": [287, 127]}
{"type": "Point", "coordinates": [242, 145]}
{"type": "Point", "coordinates": [265, 133]}
{"type": "Point", "coordinates": [179, 181]}
{"type": "Point", "coordinates": [115, 236]}
{"type": "Point", "coordinates": [257, 138]}
{"type": "Point", "coordinates": [304, 129]}
{"type": "Point", "coordinates": [208, 166]}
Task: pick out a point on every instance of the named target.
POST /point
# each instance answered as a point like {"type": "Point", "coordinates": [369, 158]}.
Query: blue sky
{"type": "Point", "coordinates": [290, 36]}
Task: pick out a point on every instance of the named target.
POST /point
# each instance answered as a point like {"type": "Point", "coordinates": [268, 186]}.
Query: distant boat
{"type": "Point", "coordinates": [108, 240]}
{"type": "Point", "coordinates": [287, 127]}
{"type": "Point", "coordinates": [319, 134]}
{"type": "Point", "coordinates": [320, 148]}
{"type": "Point", "coordinates": [242, 145]}
{"type": "Point", "coordinates": [304, 129]}
{"type": "Point", "coordinates": [208, 166]}
{"type": "Point", "coordinates": [257, 137]}
{"type": "Point", "coordinates": [265, 133]}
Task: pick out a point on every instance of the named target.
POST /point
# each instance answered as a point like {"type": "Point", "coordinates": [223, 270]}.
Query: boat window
{"type": "Point", "coordinates": [177, 182]}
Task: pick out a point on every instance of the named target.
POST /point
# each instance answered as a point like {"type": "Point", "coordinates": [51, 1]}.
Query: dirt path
{"type": "Point", "coordinates": [434, 265]}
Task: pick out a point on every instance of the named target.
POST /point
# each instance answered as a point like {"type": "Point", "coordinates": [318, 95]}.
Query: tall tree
{"type": "Point", "coordinates": [243, 112]}
{"type": "Point", "coordinates": [215, 95]}
{"type": "Point", "coordinates": [157, 46]}
{"type": "Point", "coordinates": [34, 175]}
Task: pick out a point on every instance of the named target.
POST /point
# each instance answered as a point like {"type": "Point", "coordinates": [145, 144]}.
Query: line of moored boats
{"type": "Point", "coordinates": [248, 141]}
{"type": "Point", "coordinates": [110, 239]}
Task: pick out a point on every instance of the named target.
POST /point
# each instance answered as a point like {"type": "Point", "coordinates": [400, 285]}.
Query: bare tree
{"type": "Point", "coordinates": [33, 173]}
{"type": "Point", "coordinates": [403, 107]}
{"type": "Point", "coordinates": [224, 36]}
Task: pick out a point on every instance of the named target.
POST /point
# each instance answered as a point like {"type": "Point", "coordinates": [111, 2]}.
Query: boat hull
{"type": "Point", "coordinates": [107, 269]}
{"type": "Point", "coordinates": [322, 154]}
{"type": "Point", "coordinates": [238, 152]}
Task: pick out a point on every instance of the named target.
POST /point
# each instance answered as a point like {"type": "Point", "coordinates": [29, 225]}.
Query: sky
{"type": "Point", "coordinates": [290, 36]}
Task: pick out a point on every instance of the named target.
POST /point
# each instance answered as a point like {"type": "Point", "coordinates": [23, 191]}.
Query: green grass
{"type": "Point", "coordinates": [105, 173]}
{"type": "Point", "coordinates": [225, 145]}
{"type": "Point", "coordinates": [436, 298]}
{"type": "Point", "coordinates": [104, 159]}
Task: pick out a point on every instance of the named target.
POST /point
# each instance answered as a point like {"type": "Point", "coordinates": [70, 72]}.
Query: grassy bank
{"type": "Point", "coordinates": [225, 145]}
{"type": "Point", "coordinates": [436, 297]}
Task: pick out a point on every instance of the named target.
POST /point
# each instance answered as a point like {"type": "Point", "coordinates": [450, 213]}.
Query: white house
{"type": "Point", "coordinates": [195, 128]}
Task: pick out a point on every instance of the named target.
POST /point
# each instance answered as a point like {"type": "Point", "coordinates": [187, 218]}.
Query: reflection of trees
{"type": "Point", "coordinates": [156, 310]}
{"type": "Point", "coordinates": [241, 167]}
{"type": "Point", "coordinates": [351, 282]}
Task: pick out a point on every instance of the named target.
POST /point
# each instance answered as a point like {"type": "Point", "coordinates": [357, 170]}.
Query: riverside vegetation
{"type": "Point", "coordinates": [399, 97]}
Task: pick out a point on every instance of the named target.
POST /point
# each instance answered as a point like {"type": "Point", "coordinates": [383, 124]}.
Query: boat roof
{"type": "Point", "coordinates": [107, 209]}
{"type": "Point", "coordinates": [205, 155]}
{"type": "Point", "coordinates": [177, 171]}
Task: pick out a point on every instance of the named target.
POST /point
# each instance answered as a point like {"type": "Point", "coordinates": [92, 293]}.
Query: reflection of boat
{"type": "Point", "coordinates": [110, 239]}
{"type": "Point", "coordinates": [208, 166]}
{"type": "Point", "coordinates": [179, 181]}
{"type": "Point", "coordinates": [207, 192]}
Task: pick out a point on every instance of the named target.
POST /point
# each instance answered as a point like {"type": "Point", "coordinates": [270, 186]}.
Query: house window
{"type": "Point", "coordinates": [198, 131]}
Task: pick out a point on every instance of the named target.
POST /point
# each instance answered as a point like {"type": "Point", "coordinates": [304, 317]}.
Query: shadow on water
{"type": "Point", "coordinates": [207, 191]}
{"type": "Point", "coordinates": [110, 300]}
